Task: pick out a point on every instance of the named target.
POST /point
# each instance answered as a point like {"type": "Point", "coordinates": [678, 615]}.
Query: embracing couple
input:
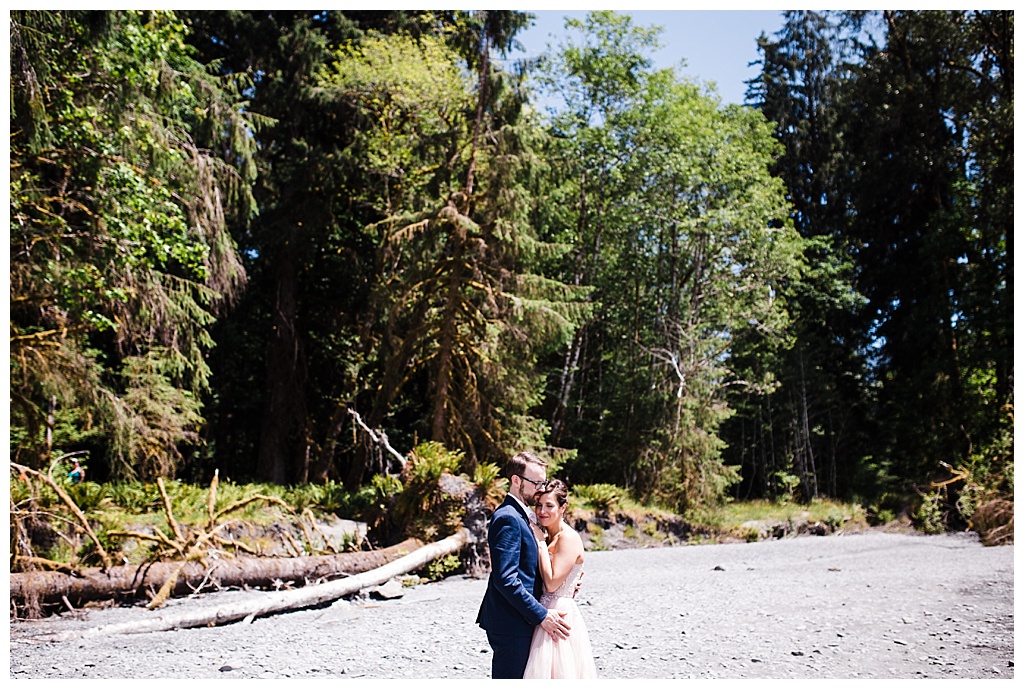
{"type": "Point", "coordinates": [532, 622]}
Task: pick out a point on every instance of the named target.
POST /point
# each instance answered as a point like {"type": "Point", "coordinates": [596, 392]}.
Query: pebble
{"type": "Point", "coordinates": [631, 600]}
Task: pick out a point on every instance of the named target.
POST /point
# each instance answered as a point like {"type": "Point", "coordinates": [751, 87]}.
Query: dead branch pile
{"type": "Point", "coordinates": [993, 522]}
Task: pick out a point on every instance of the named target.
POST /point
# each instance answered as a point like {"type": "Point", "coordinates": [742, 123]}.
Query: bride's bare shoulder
{"type": "Point", "coordinates": [575, 538]}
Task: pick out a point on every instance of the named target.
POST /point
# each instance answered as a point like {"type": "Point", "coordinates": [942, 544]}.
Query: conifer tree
{"type": "Point", "coordinates": [128, 161]}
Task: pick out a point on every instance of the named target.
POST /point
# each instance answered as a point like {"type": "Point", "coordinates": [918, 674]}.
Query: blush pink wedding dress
{"type": "Point", "coordinates": [570, 658]}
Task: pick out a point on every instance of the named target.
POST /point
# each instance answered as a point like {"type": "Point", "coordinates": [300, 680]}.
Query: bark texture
{"type": "Point", "coordinates": [139, 581]}
{"type": "Point", "coordinates": [279, 601]}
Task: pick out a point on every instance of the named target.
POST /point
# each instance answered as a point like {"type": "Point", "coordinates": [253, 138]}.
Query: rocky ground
{"type": "Point", "coordinates": [872, 605]}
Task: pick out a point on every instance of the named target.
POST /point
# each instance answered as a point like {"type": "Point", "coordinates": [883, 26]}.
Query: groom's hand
{"type": "Point", "coordinates": [555, 625]}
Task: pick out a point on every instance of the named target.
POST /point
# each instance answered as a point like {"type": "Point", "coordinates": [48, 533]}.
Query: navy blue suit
{"type": "Point", "coordinates": [510, 609]}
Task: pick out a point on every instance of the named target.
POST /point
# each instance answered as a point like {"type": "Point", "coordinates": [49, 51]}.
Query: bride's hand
{"type": "Point", "coordinates": [538, 532]}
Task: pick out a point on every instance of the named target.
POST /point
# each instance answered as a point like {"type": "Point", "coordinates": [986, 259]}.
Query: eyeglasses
{"type": "Point", "coordinates": [538, 484]}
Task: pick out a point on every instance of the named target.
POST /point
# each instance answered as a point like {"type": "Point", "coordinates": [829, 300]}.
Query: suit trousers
{"type": "Point", "coordinates": [511, 653]}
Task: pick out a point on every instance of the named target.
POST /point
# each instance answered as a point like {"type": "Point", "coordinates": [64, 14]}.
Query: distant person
{"type": "Point", "coordinates": [561, 568]}
{"type": "Point", "coordinates": [511, 611]}
{"type": "Point", "coordinates": [77, 473]}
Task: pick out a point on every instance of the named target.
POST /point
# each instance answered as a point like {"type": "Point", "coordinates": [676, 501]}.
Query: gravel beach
{"type": "Point", "coordinates": [871, 605]}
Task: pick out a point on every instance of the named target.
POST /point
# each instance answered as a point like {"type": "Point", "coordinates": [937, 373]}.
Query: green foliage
{"type": "Point", "coordinates": [428, 461]}
{"type": "Point", "coordinates": [886, 508]}
{"type": "Point", "coordinates": [673, 288]}
{"type": "Point", "coordinates": [89, 496]}
{"type": "Point", "coordinates": [938, 277]}
{"type": "Point", "coordinates": [600, 496]}
{"type": "Point", "coordinates": [133, 496]}
{"type": "Point", "coordinates": [897, 358]}
{"type": "Point", "coordinates": [487, 477]}
{"type": "Point", "coordinates": [930, 514]}
{"type": "Point", "coordinates": [162, 417]}
{"type": "Point", "coordinates": [331, 497]}
{"type": "Point", "coordinates": [119, 243]}
{"type": "Point", "coordinates": [987, 475]}
{"type": "Point", "coordinates": [384, 488]}
{"type": "Point", "coordinates": [441, 567]}
{"type": "Point", "coordinates": [596, 534]}
{"type": "Point", "coordinates": [408, 90]}
{"type": "Point", "coordinates": [883, 516]}
{"type": "Point", "coordinates": [683, 299]}
{"type": "Point", "coordinates": [135, 506]}
{"type": "Point", "coordinates": [789, 483]}
{"type": "Point", "coordinates": [458, 307]}
{"type": "Point", "coordinates": [423, 508]}
{"type": "Point", "coordinates": [730, 518]}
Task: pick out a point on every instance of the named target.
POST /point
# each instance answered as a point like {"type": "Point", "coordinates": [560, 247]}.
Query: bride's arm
{"type": "Point", "coordinates": [555, 566]}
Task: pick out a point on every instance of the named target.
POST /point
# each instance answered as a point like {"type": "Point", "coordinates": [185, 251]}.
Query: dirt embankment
{"type": "Point", "coordinates": [874, 605]}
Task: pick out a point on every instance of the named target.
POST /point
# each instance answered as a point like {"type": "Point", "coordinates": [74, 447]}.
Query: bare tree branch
{"type": "Point", "coordinates": [379, 437]}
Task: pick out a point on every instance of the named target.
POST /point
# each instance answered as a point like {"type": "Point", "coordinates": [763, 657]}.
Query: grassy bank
{"type": "Point", "coordinates": [266, 519]}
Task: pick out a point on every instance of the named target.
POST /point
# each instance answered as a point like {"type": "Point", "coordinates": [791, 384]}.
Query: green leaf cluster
{"type": "Point", "coordinates": [120, 253]}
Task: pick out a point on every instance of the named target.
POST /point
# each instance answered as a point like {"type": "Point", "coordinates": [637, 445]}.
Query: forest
{"type": "Point", "coordinates": [273, 246]}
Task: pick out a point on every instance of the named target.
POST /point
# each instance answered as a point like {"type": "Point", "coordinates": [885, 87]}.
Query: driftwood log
{"type": "Point", "coordinates": [127, 582]}
{"type": "Point", "coordinates": [280, 601]}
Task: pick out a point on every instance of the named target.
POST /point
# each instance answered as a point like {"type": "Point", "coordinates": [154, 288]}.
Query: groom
{"type": "Point", "coordinates": [510, 609]}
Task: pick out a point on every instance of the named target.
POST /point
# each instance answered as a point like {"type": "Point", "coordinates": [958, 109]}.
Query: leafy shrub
{"type": "Point", "coordinates": [884, 516]}
{"type": "Point", "coordinates": [423, 509]}
{"type": "Point", "coordinates": [930, 514]}
{"type": "Point", "coordinates": [601, 496]}
{"type": "Point", "coordinates": [788, 483]}
{"type": "Point", "coordinates": [442, 567]}
{"type": "Point", "coordinates": [487, 477]}
{"type": "Point", "coordinates": [335, 498]}
{"type": "Point", "coordinates": [428, 461]}
{"type": "Point", "coordinates": [133, 496]}
{"type": "Point", "coordinates": [885, 508]}
{"type": "Point", "coordinates": [834, 520]}
{"type": "Point", "coordinates": [306, 496]}
{"type": "Point", "coordinates": [20, 489]}
{"type": "Point", "coordinates": [89, 496]}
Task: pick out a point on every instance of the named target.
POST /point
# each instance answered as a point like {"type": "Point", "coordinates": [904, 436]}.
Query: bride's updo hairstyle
{"type": "Point", "coordinates": [557, 488]}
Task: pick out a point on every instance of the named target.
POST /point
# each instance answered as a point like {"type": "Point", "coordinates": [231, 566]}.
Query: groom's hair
{"type": "Point", "coordinates": [517, 464]}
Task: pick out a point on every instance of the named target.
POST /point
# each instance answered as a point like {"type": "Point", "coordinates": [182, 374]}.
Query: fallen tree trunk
{"type": "Point", "coordinates": [119, 583]}
{"type": "Point", "coordinates": [280, 601]}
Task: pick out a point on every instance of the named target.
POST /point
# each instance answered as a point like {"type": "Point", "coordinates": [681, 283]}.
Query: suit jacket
{"type": "Point", "coordinates": [511, 605]}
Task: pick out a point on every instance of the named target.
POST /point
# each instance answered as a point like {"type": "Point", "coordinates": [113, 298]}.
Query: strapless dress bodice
{"type": "Point", "coordinates": [568, 587]}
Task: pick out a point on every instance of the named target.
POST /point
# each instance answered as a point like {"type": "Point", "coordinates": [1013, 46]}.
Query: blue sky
{"type": "Point", "coordinates": [717, 45]}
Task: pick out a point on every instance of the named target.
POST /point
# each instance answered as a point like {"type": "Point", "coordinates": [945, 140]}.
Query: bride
{"type": "Point", "coordinates": [560, 550]}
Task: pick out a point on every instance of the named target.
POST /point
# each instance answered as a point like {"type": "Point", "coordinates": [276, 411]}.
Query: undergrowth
{"type": "Point", "coordinates": [735, 519]}
{"type": "Point", "coordinates": [413, 504]}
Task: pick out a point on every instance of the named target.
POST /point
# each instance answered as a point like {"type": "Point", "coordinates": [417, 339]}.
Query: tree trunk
{"type": "Point", "coordinates": [572, 361]}
{"type": "Point", "coordinates": [268, 603]}
{"type": "Point", "coordinates": [138, 581]}
{"type": "Point", "coordinates": [446, 354]}
{"type": "Point", "coordinates": [285, 407]}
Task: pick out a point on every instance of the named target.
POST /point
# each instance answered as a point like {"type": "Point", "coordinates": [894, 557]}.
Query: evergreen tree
{"type": "Point", "coordinates": [891, 166]}
{"type": "Point", "coordinates": [307, 262]}
{"type": "Point", "coordinates": [812, 425]}
{"type": "Point", "coordinates": [932, 227]}
{"type": "Point", "coordinates": [128, 161]}
{"type": "Point", "coordinates": [459, 314]}
{"type": "Point", "coordinates": [683, 234]}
